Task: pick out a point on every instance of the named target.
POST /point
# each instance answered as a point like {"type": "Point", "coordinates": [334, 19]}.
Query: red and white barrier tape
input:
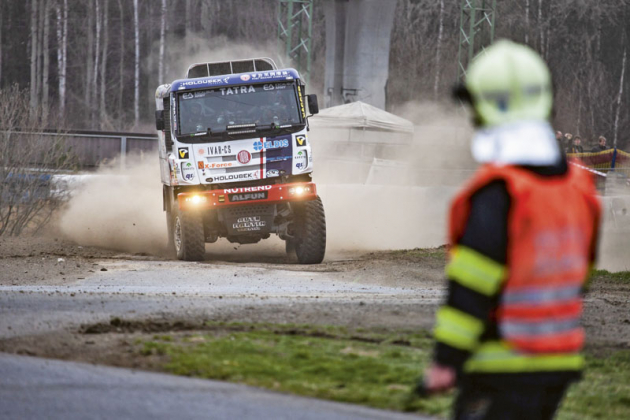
{"type": "Point", "coordinates": [588, 169]}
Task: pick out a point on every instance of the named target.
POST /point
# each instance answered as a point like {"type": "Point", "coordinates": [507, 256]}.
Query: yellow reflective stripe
{"type": "Point", "coordinates": [499, 357]}
{"type": "Point", "coordinates": [457, 328]}
{"type": "Point", "coordinates": [475, 271]}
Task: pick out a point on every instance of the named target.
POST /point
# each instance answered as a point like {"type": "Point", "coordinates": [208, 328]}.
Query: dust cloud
{"type": "Point", "coordinates": [119, 208]}
{"type": "Point", "coordinates": [615, 231]}
{"type": "Point", "coordinates": [193, 49]}
{"type": "Point", "coordinates": [386, 190]}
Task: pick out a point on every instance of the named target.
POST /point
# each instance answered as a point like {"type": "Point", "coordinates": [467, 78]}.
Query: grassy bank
{"type": "Point", "coordinates": [370, 367]}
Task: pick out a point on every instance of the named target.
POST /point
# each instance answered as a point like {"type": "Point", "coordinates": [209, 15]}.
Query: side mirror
{"type": "Point", "coordinates": [159, 120]}
{"type": "Point", "coordinates": [313, 107]}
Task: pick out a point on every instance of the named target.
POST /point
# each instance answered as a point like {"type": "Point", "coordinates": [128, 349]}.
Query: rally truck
{"type": "Point", "coordinates": [235, 159]}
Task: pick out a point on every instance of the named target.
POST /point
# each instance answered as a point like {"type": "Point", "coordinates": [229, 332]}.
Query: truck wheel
{"type": "Point", "coordinates": [170, 227]}
{"type": "Point", "coordinates": [289, 247]}
{"type": "Point", "coordinates": [188, 236]}
{"type": "Point", "coordinates": [310, 243]}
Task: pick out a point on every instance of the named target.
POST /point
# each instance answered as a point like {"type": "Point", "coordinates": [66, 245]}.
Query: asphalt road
{"type": "Point", "coordinates": [32, 388]}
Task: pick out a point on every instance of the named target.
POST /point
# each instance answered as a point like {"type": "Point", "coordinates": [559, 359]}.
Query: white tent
{"type": "Point", "coordinates": [349, 139]}
{"type": "Point", "coordinates": [362, 116]}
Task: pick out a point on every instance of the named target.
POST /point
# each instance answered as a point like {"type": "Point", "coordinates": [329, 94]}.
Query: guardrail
{"type": "Point", "coordinates": [95, 147]}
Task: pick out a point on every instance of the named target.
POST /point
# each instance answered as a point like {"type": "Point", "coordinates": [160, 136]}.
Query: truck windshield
{"type": "Point", "coordinates": [270, 104]}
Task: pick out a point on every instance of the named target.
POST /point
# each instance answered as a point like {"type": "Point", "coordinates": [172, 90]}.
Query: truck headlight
{"type": "Point", "coordinates": [196, 199]}
{"type": "Point", "coordinates": [299, 190]}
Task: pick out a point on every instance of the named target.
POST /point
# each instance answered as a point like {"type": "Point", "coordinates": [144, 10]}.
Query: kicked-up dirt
{"type": "Point", "coordinates": [65, 301]}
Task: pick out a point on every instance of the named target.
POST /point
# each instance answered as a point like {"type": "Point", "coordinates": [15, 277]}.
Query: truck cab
{"type": "Point", "coordinates": [235, 159]}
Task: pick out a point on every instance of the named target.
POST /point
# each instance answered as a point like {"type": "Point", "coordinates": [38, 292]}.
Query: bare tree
{"type": "Point", "coordinates": [46, 58]}
{"type": "Point", "coordinates": [527, 22]}
{"type": "Point", "coordinates": [97, 57]}
{"type": "Point", "coordinates": [438, 51]}
{"type": "Point", "coordinates": [136, 76]}
{"type": "Point", "coordinates": [162, 42]}
{"type": "Point", "coordinates": [103, 71]}
{"type": "Point", "coordinates": [89, 67]}
{"type": "Point", "coordinates": [27, 160]}
{"type": "Point", "coordinates": [34, 43]}
{"type": "Point", "coordinates": [619, 96]}
{"type": "Point", "coordinates": [121, 63]}
{"type": "Point", "coordinates": [1, 20]}
{"type": "Point", "coordinates": [62, 53]}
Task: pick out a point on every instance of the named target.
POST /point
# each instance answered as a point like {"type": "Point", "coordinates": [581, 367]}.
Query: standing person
{"type": "Point", "coordinates": [568, 142]}
{"type": "Point", "coordinates": [576, 147]}
{"type": "Point", "coordinates": [559, 138]}
{"type": "Point", "coordinates": [601, 145]}
{"type": "Point", "coordinates": [522, 239]}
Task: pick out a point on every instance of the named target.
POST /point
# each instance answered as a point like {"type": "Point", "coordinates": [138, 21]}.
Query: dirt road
{"type": "Point", "coordinates": [52, 287]}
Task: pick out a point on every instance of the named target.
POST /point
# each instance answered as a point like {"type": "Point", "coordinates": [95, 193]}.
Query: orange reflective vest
{"type": "Point", "coordinates": [552, 224]}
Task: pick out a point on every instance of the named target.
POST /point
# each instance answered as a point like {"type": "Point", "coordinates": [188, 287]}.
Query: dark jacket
{"type": "Point", "coordinates": [599, 148]}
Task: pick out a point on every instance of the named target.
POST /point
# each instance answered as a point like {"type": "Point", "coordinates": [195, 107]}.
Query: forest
{"type": "Point", "coordinates": [95, 64]}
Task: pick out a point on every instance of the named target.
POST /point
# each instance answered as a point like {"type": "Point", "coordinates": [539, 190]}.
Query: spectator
{"type": "Point", "coordinates": [601, 145]}
{"type": "Point", "coordinates": [568, 142]}
{"type": "Point", "coordinates": [577, 145]}
{"type": "Point", "coordinates": [559, 138]}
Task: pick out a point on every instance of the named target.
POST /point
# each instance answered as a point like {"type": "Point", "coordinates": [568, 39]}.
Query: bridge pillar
{"type": "Point", "coordinates": [358, 34]}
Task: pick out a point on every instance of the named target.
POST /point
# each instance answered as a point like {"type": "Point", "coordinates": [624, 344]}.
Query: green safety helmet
{"type": "Point", "coordinates": [509, 82]}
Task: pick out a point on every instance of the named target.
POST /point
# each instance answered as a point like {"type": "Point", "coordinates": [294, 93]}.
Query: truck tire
{"type": "Point", "coordinates": [310, 242]}
{"type": "Point", "coordinates": [188, 236]}
{"type": "Point", "coordinates": [170, 227]}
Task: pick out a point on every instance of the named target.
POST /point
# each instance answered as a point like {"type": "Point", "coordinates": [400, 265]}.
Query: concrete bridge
{"type": "Point", "coordinates": [358, 34]}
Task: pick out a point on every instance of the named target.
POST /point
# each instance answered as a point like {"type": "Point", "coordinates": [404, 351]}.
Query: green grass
{"type": "Point", "coordinates": [619, 277]}
{"type": "Point", "coordinates": [376, 368]}
{"type": "Point", "coordinates": [419, 254]}
{"type": "Point", "coordinates": [603, 393]}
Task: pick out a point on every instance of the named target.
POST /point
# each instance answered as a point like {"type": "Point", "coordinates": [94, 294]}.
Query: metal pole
{"type": "Point", "coordinates": [308, 44]}
{"type": "Point", "coordinates": [289, 41]}
{"type": "Point", "coordinates": [123, 151]}
{"type": "Point", "coordinates": [473, 30]}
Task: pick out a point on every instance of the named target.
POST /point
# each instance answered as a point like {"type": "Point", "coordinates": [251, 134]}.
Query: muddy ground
{"type": "Point", "coordinates": [404, 291]}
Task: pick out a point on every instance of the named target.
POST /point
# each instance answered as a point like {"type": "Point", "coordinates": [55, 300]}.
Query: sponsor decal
{"type": "Point", "coordinates": [219, 150]}
{"type": "Point", "coordinates": [201, 151]}
{"type": "Point", "coordinates": [276, 86]}
{"type": "Point", "coordinates": [188, 171]}
{"type": "Point", "coordinates": [301, 101]}
{"type": "Point", "coordinates": [174, 112]}
{"type": "Point", "coordinates": [217, 81]}
{"type": "Point", "coordinates": [245, 77]}
{"type": "Point", "coordinates": [244, 157]}
{"type": "Point", "coordinates": [248, 196]}
{"type": "Point", "coordinates": [272, 172]}
{"type": "Point", "coordinates": [249, 223]}
{"type": "Point", "coordinates": [300, 160]}
{"type": "Point", "coordinates": [231, 177]}
{"type": "Point", "coordinates": [278, 159]}
{"type": "Point", "coordinates": [248, 189]}
{"type": "Point", "coordinates": [200, 94]}
{"type": "Point", "coordinates": [270, 144]}
{"type": "Point", "coordinates": [270, 75]}
{"type": "Point", "coordinates": [187, 96]}
{"type": "Point", "coordinates": [237, 90]}
{"type": "Point", "coordinates": [217, 165]}
{"type": "Point", "coordinates": [183, 152]}
{"type": "Point", "coordinates": [300, 140]}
